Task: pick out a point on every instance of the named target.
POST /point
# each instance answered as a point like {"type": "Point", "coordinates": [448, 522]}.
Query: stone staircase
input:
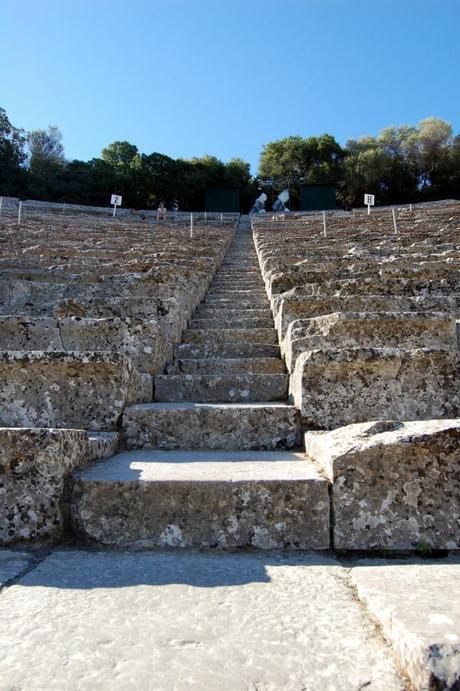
{"type": "Point", "coordinates": [212, 462]}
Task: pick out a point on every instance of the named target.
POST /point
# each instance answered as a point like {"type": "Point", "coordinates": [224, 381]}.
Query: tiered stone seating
{"type": "Point", "coordinates": [90, 310]}
{"type": "Point", "coordinates": [367, 323]}
{"type": "Point", "coordinates": [210, 464]}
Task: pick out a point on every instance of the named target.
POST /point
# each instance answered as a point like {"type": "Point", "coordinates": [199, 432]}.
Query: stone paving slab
{"type": "Point", "coordinates": [12, 565]}
{"type": "Point", "coordinates": [417, 604]}
{"type": "Point", "coordinates": [92, 620]}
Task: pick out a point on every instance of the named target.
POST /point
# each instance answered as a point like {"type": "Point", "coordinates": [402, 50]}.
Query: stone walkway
{"type": "Point", "coordinates": [185, 620]}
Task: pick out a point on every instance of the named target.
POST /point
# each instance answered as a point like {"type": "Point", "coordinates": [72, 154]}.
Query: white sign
{"type": "Point", "coordinates": [369, 199]}
{"type": "Point", "coordinates": [115, 199]}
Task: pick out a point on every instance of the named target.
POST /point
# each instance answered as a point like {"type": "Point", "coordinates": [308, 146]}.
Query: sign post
{"type": "Point", "coordinates": [115, 199]}
{"type": "Point", "coordinates": [324, 224]}
{"type": "Point", "coordinates": [20, 213]}
{"type": "Point", "coordinates": [369, 199]}
{"type": "Point", "coordinates": [395, 224]}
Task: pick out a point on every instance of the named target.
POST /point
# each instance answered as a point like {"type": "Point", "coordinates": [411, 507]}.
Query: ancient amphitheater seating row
{"type": "Point", "coordinates": [90, 311]}
{"type": "Point", "coordinates": [368, 324]}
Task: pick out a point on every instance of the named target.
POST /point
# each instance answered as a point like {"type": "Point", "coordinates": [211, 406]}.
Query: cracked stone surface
{"type": "Point", "coordinates": [89, 620]}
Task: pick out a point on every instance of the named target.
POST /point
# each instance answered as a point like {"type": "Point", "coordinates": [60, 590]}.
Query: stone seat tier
{"type": "Point", "coordinates": [370, 330]}
{"type": "Point", "coordinates": [243, 426]}
{"type": "Point", "coordinates": [335, 387]}
{"type": "Point", "coordinates": [85, 390]}
{"type": "Point", "coordinates": [264, 500]}
{"type": "Point", "coordinates": [221, 387]}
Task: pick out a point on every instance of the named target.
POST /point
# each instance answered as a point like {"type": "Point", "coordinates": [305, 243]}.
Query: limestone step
{"type": "Point", "coordinates": [239, 280]}
{"type": "Point", "coordinates": [223, 321]}
{"type": "Point", "coordinates": [211, 426]}
{"type": "Point", "coordinates": [226, 349]}
{"type": "Point", "coordinates": [227, 499]}
{"type": "Point", "coordinates": [236, 285]}
{"type": "Point", "coordinates": [235, 302]}
{"type": "Point", "coordinates": [210, 388]}
{"type": "Point", "coordinates": [269, 336]}
{"type": "Point", "coordinates": [227, 366]}
{"type": "Point", "coordinates": [226, 272]}
{"type": "Point", "coordinates": [208, 312]}
{"type": "Point", "coordinates": [237, 293]}
{"type": "Point", "coordinates": [240, 263]}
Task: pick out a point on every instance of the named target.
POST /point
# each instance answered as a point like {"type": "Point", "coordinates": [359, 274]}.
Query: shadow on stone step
{"type": "Point", "coordinates": [87, 570]}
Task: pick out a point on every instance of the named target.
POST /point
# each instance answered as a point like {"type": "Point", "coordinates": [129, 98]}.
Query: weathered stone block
{"type": "Point", "coordinates": [33, 466]}
{"type": "Point", "coordinates": [335, 387]}
{"type": "Point", "coordinates": [142, 341]}
{"type": "Point", "coordinates": [369, 330]}
{"type": "Point", "coordinates": [248, 426]}
{"type": "Point", "coordinates": [395, 485]}
{"type": "Point", "coordinates": [265, 500]}
{"type": "Point", "coordinates": [81, 390]}
{"type": "Point", "coordinates": [217, 388]}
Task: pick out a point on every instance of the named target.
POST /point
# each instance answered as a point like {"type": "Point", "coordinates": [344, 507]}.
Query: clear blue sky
{"type": "Point", "coordinates": [224, 77]}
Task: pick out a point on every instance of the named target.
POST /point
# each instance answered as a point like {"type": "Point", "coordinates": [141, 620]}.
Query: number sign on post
{"type": "Point", "coordinates": [115, 199]}
{"type": "Point", "coordinates": [369, 199]}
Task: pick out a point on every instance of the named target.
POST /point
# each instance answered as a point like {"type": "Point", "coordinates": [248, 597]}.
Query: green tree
{"type": "Point", "coordinates": [45, 161]}
{"type": "Point", "coordinates": [12, 157]}
{"type": "Point", "coordinates": [365, 166]}
{"type": "Point", "coordinates": [434, 143]}
{"type": "Point", "coordinates": [120, 155]}
{"type": "Point", "coordinates": [291, 161]}
{"type": "Point", "coordinates": [46, 151]}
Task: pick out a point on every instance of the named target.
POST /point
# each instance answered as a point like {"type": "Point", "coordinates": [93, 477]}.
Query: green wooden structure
{"type": "Point", "coordinates": [223, 199]}
{"type": "Point", "coordinates": [317, 197]}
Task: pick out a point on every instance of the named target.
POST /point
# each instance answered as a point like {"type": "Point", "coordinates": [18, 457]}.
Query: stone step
{"type": "Point", "coordinates": [211, 426]}
{"type": "Point", "coordinates": [216, 388]}
{"type": "Point", "coordinates": [227, 366]}
{"type": "Point", "coordinates": [235, 302]}
{"type": "Point", "coordinates": [269, 336]}
{"type": "Point", "coordinates": [227, 499]}
{"type": "Point", "coordinates": [239, 279]}
{"type": "Point", "coordinates": [239, 263]}
{"type": "Point", "coordinates": [226, 349]}
{"type": "Point", "coordinates": [223, 321]}
{"type": "Point", "coordinates": [237, 293]}
{"type": "Point", "coordinates": [237, 284]}
{"type": "Point", "coordinates": [207, 312]}
{"type": "Point", "coordinates": [228, 272]}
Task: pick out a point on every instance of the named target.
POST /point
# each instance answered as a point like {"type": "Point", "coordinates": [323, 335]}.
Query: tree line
{"type": "Point", "coordinates": [402, 164]}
